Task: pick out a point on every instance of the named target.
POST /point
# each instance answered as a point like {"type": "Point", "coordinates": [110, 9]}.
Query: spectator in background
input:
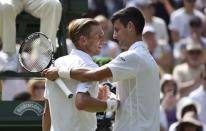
{"type": "Point", "coordinates": [179, 20]}
{"type": "Point", "coordinates": [184, 105]}
{"type": "Point", "coordinates": [188, 73]}
{"type": "Point", "coordinates": [196, 27]}
{"type": "Point", "coordinates": [98, 6]}
{"type": "Point", "coordinates": [160, 50]}
{"type": "Point", "coordinates": [170, 97]}
{"type": "Point", "coordinates": [189, 122]}
{"type": "Point", "coordinates": [157, 23]}
{"type": "Point", "coordinates": [199, 95]}
{"type": "Point", "coordinates": [36, 87]}
{"type": "Point", "coordinates": [11, 87]}
{"type": "Point", "coordinates": [22, 96]}
{"type": "Point", "coordinates": [105, 7]}
{"type": "Point", "coordinates": [164, 8]}
{"type": "Point", "coordinates": [110, 48]}
{"type": "Point", "coordinates": [113, 6]}
{"type": "Point", "coordinates": [201, 5]}
{"type": "Point", "coordinates": [49, 12]}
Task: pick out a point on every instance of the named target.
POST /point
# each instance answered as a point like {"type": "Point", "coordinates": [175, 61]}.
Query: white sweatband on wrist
{"type": "Point", "coordinates": [111, 105]}
{"type": "Point", "coordinates": [64, 72]}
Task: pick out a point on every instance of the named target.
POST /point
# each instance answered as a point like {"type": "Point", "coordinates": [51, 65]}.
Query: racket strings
{"type": "Point", "coordinates": [36, 54]}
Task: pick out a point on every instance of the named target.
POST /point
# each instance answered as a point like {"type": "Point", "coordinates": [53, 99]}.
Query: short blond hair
{"type": "Point", "coordinates": [79, 27]}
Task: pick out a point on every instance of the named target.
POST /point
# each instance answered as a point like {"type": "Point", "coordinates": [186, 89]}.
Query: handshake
{"type": "Point", "coordinates": [105, 94]}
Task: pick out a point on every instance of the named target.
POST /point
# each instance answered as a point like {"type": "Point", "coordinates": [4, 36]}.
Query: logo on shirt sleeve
{"type": "Point", "coordinates": [122, 58]}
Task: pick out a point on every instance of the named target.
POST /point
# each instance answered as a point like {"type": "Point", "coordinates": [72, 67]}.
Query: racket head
{"type": "Point", "coordinates": [36, 52]}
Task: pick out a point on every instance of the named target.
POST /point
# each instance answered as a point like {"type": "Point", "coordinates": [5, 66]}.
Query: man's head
{"type": "Point", "coordinates": [189, 5]}
{"type": "Point", "coordinates": [194, 53]}
{"type": "Point", "coordinates": [186, 104]}
{"type": "Point", "coordinates": [128, 25]}
{"type": "Point", "coordinates": [148, 10]}
{"type": "Point", "coordinates": [189, 122]}
{"type": "Point", "coordinates": [168, 84]}
{"type": "Point", "coordinates": [87, 35]}
{"type": "Point", "coordinates": [196, 25]}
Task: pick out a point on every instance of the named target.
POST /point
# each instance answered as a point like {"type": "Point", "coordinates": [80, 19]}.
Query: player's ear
{"type": "Point", "coordinates": [82, 40]}
{"type": "Point", "coordinates": [130, 26]}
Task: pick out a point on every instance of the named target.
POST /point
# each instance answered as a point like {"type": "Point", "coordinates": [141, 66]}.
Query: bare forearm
{"type": "Point", "coordinates": [85, 74]}
{"type": "Point", "coordinates": [87, 103]}
{"type": "Point", "coordinates": [168, 6]}
{"type": "Point", "coordinates": [81, 74]}
{"type": "Point", "coordinates": [94, 105]}
{"type": "Point", "coordinates": [175, 36]}
{"type": "Point", "coordinates": [46, 120]}
{"type": "Point", "coordinates": [187, 87]}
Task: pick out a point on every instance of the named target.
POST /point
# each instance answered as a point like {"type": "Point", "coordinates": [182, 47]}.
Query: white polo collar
{"type": "Point", "coordinates": [137, 44]}
{"type": "Point", "coordinates": [81, 54]}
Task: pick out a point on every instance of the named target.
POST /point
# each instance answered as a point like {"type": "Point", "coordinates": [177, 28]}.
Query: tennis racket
{"type": "Point", "coordinates": [36, 54]}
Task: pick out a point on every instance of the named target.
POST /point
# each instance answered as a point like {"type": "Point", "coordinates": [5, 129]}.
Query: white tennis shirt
{"type": "Point", "coordinates": [137, 75]}
{"type": "Point", "coordinates": [64, 114]}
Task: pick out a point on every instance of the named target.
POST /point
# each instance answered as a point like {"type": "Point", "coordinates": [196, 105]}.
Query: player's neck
{"type": "Point", "coordinates": [135, 39]}
{"type": "Point", "coordinates": [138, 38]}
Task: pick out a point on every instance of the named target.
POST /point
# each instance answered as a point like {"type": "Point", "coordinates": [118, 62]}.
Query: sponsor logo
{"type": "Point", "coordinates": [123, 59]}
{"type": "Point", "coordinates": [28, 106]}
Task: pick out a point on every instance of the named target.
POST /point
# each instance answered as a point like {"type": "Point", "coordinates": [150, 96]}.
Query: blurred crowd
{"type": "Point", "coordinates": [175, 34]}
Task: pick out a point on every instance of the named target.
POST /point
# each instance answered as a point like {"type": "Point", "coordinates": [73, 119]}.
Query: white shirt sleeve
{"type": "Point", "coordinates": [124, 66]}
{"type": "Point", "coordinates": [173, 25]}
{"type": "Point", "coordinates": [84, 87]}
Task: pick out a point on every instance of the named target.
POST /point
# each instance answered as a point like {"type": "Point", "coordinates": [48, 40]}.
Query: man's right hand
{"type": "Point", "coordinates": [50, 73]}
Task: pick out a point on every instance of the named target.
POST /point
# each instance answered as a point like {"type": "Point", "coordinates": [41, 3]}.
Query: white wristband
{"type": "Point", "coordinates": [64, 72]}
{"type": "Point", "coordinates": [112, 105]}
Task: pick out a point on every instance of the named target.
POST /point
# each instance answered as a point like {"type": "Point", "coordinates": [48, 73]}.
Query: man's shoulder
{"type": "Point", "coordinates": [158, 20]}
{"type": "Point", "coordinates": [68, 60]}
{"type": "Point", "coordinates": [196, 93]}
{"type": "Point", "coordinates": [182, 67]}
{"type": "Point", "coordinates": [130, 54]}
{"type": "Point", "coordinates": [178, 13]}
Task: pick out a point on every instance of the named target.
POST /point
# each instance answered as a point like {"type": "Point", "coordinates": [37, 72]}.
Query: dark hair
{"type": "Point", "coordinates": [174, 83]}
{"type": "Point", "coordinates": [22, 96]}
{"type": "Point", "coordinates": [190, 107]}
{"type": "Point", "coordinates": [195, 22]}
{"type": "Point", "coordinates": [79, 27]}
{"type": "Point", "coordinates": [130, 14]}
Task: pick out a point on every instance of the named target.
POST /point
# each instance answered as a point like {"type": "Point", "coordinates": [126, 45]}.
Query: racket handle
{"type": "Point", "coordinates": [63, 87]}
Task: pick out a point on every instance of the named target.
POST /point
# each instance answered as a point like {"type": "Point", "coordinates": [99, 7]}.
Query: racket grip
{"type": "Point", "coordinates": [63, 87]}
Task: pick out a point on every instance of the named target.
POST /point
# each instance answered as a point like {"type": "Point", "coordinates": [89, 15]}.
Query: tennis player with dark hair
{"type": "Point", "coordinates": [77, 113]}
{"type": "Point", "coordinates": [135, 70]}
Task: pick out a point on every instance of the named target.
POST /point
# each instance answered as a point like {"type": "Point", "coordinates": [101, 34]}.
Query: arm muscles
{"type": "Point", "coordinates": [87, 103]}
{"type": "Point", "coordinates": [85, 74]}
